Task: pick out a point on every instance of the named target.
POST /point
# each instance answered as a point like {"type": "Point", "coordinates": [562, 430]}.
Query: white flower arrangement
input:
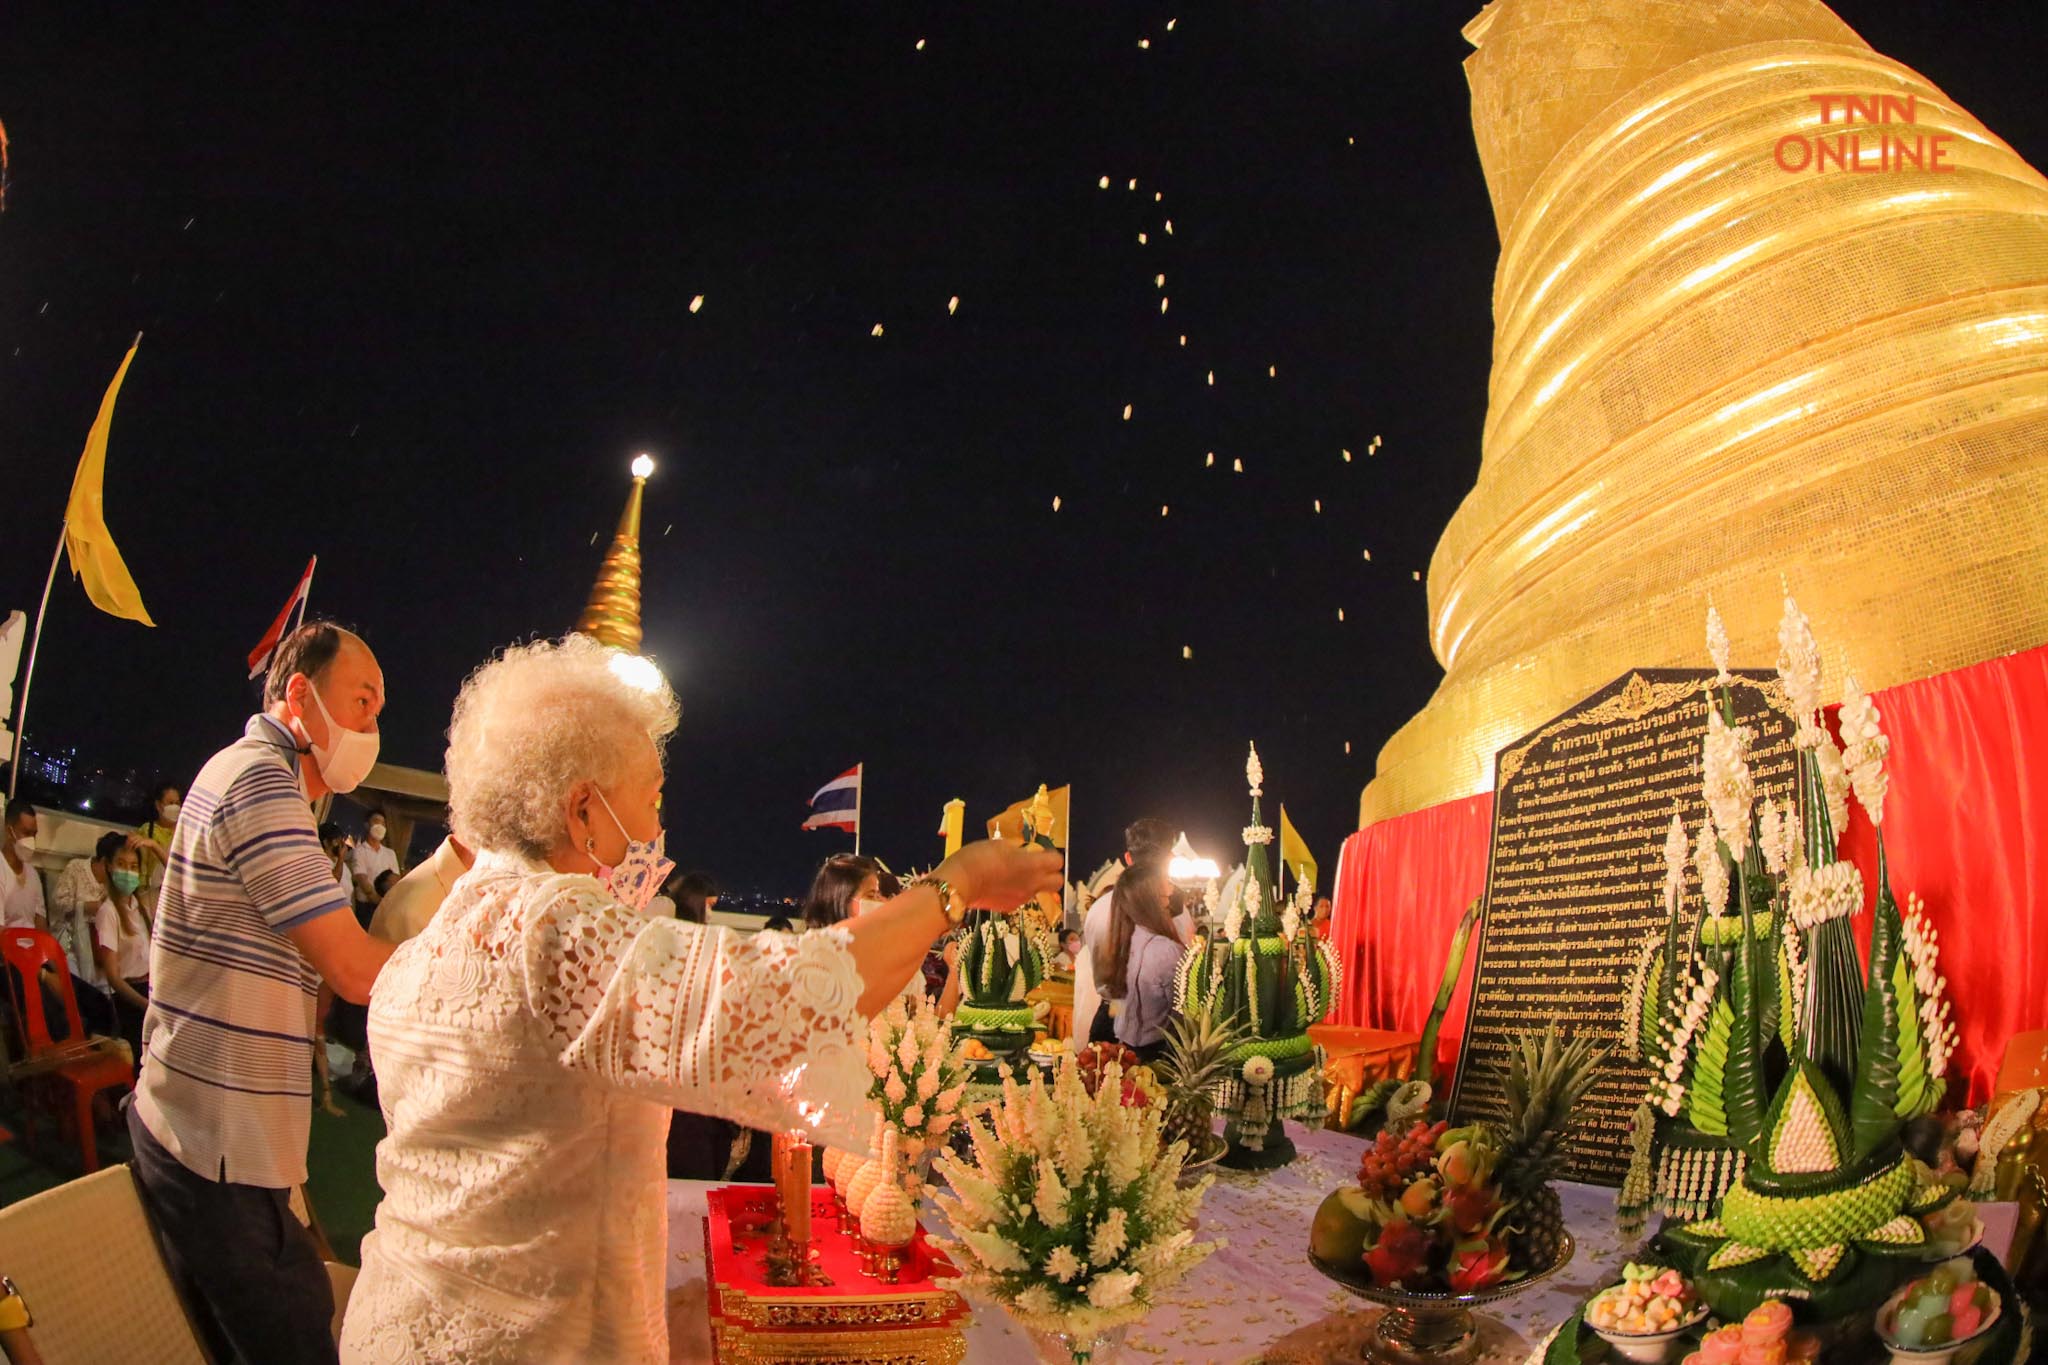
{"type": "Point", "coordinates": [1258, 1070]}
{"type": "Point", "coordinates": [1726, 780]}
{"type": "Point", "coordinates": [1070, 1214]}
{"type": "Point", "coordinates": [1254, 773]}
{"type": "Point", "coordinates": [920, 1075]}
{"type": "Point", "coordinates": [1864, 747]}
{"type": "Point", "coordinates": [1257, 834]}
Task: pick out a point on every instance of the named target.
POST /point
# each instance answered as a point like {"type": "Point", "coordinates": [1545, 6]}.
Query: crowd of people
{"type": "Point", "coordinates": [555, 1025]}
{"type": "Point", "coordinates": [545, 1004]}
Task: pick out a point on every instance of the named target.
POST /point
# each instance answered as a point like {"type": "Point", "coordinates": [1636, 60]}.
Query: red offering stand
{"type": "Point", "coordinates": [853, 1319]}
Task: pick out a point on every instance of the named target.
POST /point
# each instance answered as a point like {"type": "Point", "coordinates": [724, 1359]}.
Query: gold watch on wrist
{"type": "Point", "coordinates": [950, 900]}
{"type": "Point", "coordinates": [14, 1314]}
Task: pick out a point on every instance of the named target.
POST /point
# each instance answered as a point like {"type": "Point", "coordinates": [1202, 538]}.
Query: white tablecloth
{"type": "Point", "coordinates": [1255, 1291]}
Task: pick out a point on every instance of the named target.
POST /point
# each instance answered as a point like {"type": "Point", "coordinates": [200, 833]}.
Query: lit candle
{"type": "Point", "coordinates": [799, 1197]}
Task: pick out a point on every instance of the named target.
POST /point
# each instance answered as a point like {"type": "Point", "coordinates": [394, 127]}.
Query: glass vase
{"type": "Point", "coordinates": [1068, 1348]}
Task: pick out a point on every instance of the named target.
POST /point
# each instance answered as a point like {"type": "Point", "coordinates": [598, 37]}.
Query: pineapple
{"type": "Point", "coordinates": [1199, 1058]}
{"type": "Point", "coordinates": [1546, 1078]}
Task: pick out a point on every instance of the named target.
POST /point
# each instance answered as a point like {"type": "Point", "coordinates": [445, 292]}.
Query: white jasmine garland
{"type": "Point", "coordinates": [1257, 834]}
{"type": "Point", "coordinates": [1799, 670]}
{"type": "Point", "coordinates": [1713, 872]}
{"type": "Point", "coordinates": [1815, 895]}
{"type": "Point", "coordinates": [1834, 787]}
{"type": "Point", "coordinates": [1258, 1070]}
{"type": "Point", "coordinates": [1254, 774]}
{"type": "Point", "coordinates": [1937, 1034]}
{"type": "Point", "coordinates": [1690, 1014]}
{"type": "Point", "coordinates": [1796, 974]}
{"type": "Point", "coordinates": [1770, 838]}
{"type": "Point", "coordinates": [1725, 778]}
{"type": "Point", "coordinates": [1864, 747]}
{"type": "Point", "coordinates": [1674, 863]}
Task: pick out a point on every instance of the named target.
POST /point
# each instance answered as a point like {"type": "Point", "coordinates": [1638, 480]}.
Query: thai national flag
{"type": "Point", "coordinates": [837, 804]}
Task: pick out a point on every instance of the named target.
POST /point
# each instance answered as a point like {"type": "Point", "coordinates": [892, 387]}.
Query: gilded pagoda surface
{"type": "Point", "coordinates": [1720, 357]}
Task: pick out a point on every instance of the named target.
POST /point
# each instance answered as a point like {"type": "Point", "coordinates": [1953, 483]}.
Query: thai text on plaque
{"type": "Point", "coordinates": [1574, 881]}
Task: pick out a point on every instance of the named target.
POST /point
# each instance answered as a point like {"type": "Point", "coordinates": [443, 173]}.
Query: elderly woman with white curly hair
{"type": "Point", "coordinates": [532, 1041]}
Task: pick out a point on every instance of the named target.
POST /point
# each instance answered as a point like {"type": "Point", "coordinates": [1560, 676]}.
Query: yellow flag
{"type": "Point", "coordinates": [1294, 851]}
{"type": "Point", "coordinates": [1010, 824]}
{"type": "Point", "coordinates": [93, 555]}
{"type": "Point", "coordinates": [951, 823]}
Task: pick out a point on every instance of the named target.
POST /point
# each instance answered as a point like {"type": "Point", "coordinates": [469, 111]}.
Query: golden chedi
{"type": "Point", "coordinates": [1733, 343]}
{"type": "Point", "coordinates": [612, 616]}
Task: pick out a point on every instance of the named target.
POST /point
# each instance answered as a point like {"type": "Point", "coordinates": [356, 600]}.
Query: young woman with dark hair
{"type": "Point", "coordinates": [1135, 960]}
{"type": "Point", "coordinates": [843, 880]}
{"type": "Point", "coordinates": [121, 937]}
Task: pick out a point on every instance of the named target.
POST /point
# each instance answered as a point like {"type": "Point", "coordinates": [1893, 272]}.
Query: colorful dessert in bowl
{"type": "Point", "coordinates": [1651, 1308]}
{"type": "Point", "coordinates": [1938, 1314]}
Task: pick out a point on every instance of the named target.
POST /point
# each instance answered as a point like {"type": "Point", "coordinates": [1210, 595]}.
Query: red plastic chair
{"type": "Point", "coordinates": [68, 1073]}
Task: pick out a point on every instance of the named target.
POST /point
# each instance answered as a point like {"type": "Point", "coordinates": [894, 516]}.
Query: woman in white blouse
{"type": "Point", "coordinates": [531, 1042]}
{"type": "Point", "coordinates": [120, 934]}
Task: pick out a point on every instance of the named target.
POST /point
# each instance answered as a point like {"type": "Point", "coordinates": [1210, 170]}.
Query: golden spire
{"type": "Point", "coordinates": [612, 616]}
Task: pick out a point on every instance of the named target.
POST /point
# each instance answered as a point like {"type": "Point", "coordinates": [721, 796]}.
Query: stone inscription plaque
{"type": "Point", "coordinates": [1574, 882]}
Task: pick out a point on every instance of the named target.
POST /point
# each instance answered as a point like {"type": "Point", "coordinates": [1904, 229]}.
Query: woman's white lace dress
{"type": "Point", "coordinates": [529, 1046]}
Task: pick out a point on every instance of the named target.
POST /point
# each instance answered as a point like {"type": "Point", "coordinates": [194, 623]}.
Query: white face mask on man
{"type": "Point", "coordinates": [347, 757]}
{"type": "Point", "coordinates": [377, 830]}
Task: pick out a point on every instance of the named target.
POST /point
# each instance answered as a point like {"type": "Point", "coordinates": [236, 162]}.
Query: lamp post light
{"type": "Point", "coordinates": [1192, 874]}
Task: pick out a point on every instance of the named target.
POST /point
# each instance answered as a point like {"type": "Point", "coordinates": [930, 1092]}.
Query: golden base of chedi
{"type": "Point", "coordinates": [1712, 374]}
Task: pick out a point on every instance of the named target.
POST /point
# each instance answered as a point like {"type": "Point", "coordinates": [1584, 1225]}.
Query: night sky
{"type": "Point", "coordinates": [416, 287]}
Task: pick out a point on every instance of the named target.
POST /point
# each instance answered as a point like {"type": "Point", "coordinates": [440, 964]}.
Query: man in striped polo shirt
{"type": "Point", "coordinates": [246, 928]}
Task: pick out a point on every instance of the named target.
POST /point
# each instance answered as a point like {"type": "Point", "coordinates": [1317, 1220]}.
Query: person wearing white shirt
{"type": "Point", "coordinates": [371, 859]}
{"type": "Point", "coordinates": [79, 889]}
{"type": "Point", "coordinates": [21, 886]}
{"type": "Point", "coordinates": [121, 937]}
{"type": "Point", "coordinates": [1147, 838]}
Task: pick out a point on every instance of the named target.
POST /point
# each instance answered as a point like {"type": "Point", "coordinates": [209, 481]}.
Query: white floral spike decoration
{"type": "Point", "coordinates": [1730, 791]}
{"type": "Point", "coordinates": [1070, 1214]}
{"type": "Point", "coordinates": [1717, 645]}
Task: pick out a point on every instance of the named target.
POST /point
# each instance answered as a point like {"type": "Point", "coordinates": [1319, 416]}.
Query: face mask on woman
{"type": "Point", "coordinates": [124, 881]}
{"type": "Point", "coordinates": [635, 878]}
{"type": "Point", "coordinates": [862, 905]}
{"type": "Point", "coordinates": [167, 813]}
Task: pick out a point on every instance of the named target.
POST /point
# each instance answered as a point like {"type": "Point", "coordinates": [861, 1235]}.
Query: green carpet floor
{"type": "Point", "coordinates": [341, 1166]}
{"type": "Point", "coordinates": [341, 1173]}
